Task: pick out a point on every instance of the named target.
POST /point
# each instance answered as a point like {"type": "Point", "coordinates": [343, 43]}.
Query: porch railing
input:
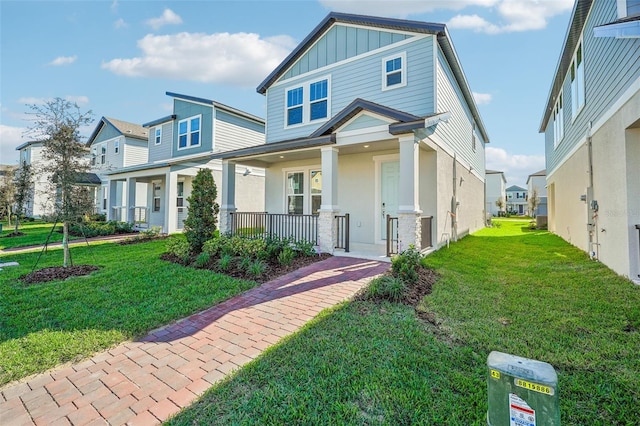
{"type": "Point", "coordinates": [140, 218]}
{"type": "Point", "coordinates": [298, 227]}
{"type": "Point", "coordinates": [119, 213]}
{"type": "Point", "coordinates": [342, 237]}
{"type": "Point", "coordinates": [392, 235]}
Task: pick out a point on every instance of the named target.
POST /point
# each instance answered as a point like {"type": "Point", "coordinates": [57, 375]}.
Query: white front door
{"type": "Point", "coordinates": [389, 183]}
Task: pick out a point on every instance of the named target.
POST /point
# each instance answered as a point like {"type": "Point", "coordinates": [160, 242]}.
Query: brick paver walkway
{"type": "Point", "coordinates": [145, 382]}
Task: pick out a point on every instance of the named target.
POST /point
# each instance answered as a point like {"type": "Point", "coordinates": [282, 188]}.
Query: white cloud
{"type": "Point", "coordinates": [169, 17]}
{"type": "Point", "coordinates": [80, 100]}
{"type": "Point", "coordinates": [120, 23]}
{"type": "Point", "coordinates": [241, 59]}
{"type": "Point", "coordinates": [63, 60]}
{"type": "Point", "coordinates": [400, 8]}
{"type": "Point", "coordinates": [11, 137]}
{"type": "Point", "coordinates": [516, 167]}
{"type": "Point", "coordinates": [482, 98]}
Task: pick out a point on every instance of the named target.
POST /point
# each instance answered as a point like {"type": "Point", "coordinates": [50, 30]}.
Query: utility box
{"type": "Point", "coordinates": [521, 392]}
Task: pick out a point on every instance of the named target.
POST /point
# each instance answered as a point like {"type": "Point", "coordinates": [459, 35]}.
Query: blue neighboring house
{"type": "Point", "coordinates": [371, 117]}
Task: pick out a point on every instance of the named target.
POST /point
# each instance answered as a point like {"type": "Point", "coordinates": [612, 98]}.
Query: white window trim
{"type": "Point", "coordinates": [157, 139]}
{"type": "Point", "coordinates": [189, 132]}
{"type": "Point", "coordinates": [103, 154]}
{"type": "Point", "coordinates": [576, 111]}
{"type": "Point", "coordinates": [306, 194]}
{"type": "Point", "coordinates": [306, 102]}
{"type": "Point", "coordinates": [383, 67]}
{"type": "Point", "coordinates": [116, 146]}
{"type": "Point", "coordinates": [622, 8]}
{"type": "Point", "coordinates": [558, 120]}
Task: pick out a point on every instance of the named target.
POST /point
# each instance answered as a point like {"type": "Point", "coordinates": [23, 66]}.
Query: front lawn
{"type": "Point", "coordinates": [506, 288]}
{"type": "Point", "coordinates": [44, 325]}
{"type": "Point", "coordinates": [35, 233]}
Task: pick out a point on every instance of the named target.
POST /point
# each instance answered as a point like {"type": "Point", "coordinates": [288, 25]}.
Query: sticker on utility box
{"type": "Point", "coordinates": [520, 413]}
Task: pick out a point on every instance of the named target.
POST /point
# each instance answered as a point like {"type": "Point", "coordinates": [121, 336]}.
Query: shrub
{"type": "Point", "coordinates": [245, 263]}
{"type": "Point", "coordinates": [151, 233]}
{"type": "Point", "coordinates": [213, 246]}
{"type": "Point", "coordinates": [286, 256]}
{"type": "Point", "coordinates": [179, 248]}
{"type": "Point", "coordinates": [405, 265]}
{"type": "Point", "coordinates": [305, 248]}
{"type": "Point", "coordinates": [224, 263]}
{"type": "Point", "coordinates": [385, 287]}
{"type": "Point", "coordinates": [202, 260]}
{"type": "Point", "coordinates": [257, 268]}
{"type": "Point", "coordinates": [200, 224]}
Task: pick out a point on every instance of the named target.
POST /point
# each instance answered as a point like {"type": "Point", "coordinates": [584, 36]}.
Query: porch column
{"type": "Point", "coordinates": [227, 196]}
{"type": "Point", "coordinates": [327, 228]}
{"type": "Point", "coordinates": [111, 199]}
{"type": "Point", "coordinates": [131, 200]}
{"type": "Point", "coordinates": [170, 209]}
{"type": "Point", "coordinates": [409, 212]}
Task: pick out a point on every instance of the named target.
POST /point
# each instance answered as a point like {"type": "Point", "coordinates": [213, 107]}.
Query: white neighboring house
{"type": "Point", "coordinates": [591, 123]}
{"type": "Point", "coordinates": [495, 184]}
{"type": "Point", "coordinates": [178, 146]}
{"type": "Point", "coordinates": [115, 144]}
{"type": "Point", "coordinates": [517, 200]}
{"type": "Point", "coordinates": [538, 181]}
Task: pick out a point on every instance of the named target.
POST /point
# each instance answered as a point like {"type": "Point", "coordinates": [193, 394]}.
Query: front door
{"type": "Point", "coordinates": [389, 183]}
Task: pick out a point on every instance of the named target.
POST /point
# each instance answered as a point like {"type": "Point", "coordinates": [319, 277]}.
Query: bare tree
{"type": "Point", "coordinates": [500, 203]}
{"type": "Point", "coordinates": [534, 201]}
{"type": "Point", "coordinates": [57, 123]}
{"type": "Point", "coordinates": [23, 184]}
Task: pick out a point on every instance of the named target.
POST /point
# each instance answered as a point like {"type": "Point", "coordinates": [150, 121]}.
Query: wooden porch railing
{"type": "Point", "coordinates": [299, 227]}
{"type": "Point", "coordinates": [342, 237]}
{"type": "Point", "coordinates": [392, 235]}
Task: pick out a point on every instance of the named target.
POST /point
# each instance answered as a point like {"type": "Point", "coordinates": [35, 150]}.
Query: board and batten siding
{"type": "Point", "coordinates": [162, 151]}
{"type": "Point", "coordinates": [234, 132]}
{"type": "Point", "coordinates": [135, 152]}
{"type": "Point", "coordinates": [611, 66]}
{"type": "Point", "coordinates": [183, 110]}
{"type": "Point", "coordinates": [362, 78]}
{"type": "Point", "coordinates": [457, 132]}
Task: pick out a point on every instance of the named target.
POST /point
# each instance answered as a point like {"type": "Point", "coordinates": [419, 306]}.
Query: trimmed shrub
{"type": "Point", "coordinates": [386, 287]}
{"type": "Point", "coordinates": [202, 216]}
{"type": "Point", "coordinates": [405, 265]}
{"type": "Point", "coordinates": [179, 248]}
{"type": "Point", "coordinates": [286, 256]}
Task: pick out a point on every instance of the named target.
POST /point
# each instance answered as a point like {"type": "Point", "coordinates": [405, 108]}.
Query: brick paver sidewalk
{"type": "Point", "coordinates": [145, 382]}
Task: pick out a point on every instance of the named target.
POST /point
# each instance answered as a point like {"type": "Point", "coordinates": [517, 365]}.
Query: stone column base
{"type": "Point", "coordinates": [224, 225]}
{"type": "Point", "coordinates": [409, 230]}
{"type": "Point", "coordinates": [327, 231]}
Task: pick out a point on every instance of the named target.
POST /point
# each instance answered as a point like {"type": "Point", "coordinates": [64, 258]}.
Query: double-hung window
{"type": "Point", "coordinates": [189, 132]}
{"type": "Point", "coordinates": [558, 121]}
{"type": "Point", "coordinates": [303, 192]}
{"type": "Point", "coordinates": [295, 192]}
{"type": "Point", "coordinates": [158, 135]}
{"type": "Point", "coordinates": [103, 154]}
{"type": "Point", "coordinates": [295, 106]}
{"type": "Point", "coordinates": [180, 195]}
{"type": "Point", "coordinates": [156, 197]}
{"type": "Point", "coordinates": [318, 100]}
{"type": "Point", "coordinates": [577, 82]}
{"type": "Point", "coordinates": [316, 190]}
{"type": "Point", "coordinates": [394, 71]}
{"type": "Point", "coordinates": [116, 146]}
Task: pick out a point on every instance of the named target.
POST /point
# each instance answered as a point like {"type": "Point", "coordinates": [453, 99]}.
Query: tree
{"type": "Point", "coordinates": [500, 204]}
{"type": "Point", "coordinates": [7, 191]}
{"type": "Point", "coordinates": [23, 182]}
{"type": "Point", "coordinates": [202, 216]}
{"type": "Point", "coordinates": [57, 123]}
{"type": "Point", "coordinates": [534, 201]}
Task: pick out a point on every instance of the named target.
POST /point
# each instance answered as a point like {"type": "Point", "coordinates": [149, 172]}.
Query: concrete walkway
{"type": "Point", "coordinates": [145, 382]}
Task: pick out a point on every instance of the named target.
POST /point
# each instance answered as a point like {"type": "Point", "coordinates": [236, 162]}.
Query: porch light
{"type": "Point", "coordinates": [366, 146]}
{"type": "Point", "coordinates": [282, 156]}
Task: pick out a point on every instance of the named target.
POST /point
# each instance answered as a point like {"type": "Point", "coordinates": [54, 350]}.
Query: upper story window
{"type": "Point", "coordinates": [394, 71]}
{"type": "Point", "coordinates": [116, 146]}
{"type": "Point", "coordinates": [558, 121]}
{"type": "Point", "coordinates": [628, 8]}
{"type": "Point", "coordinates": [189, 132]}
{"type": "Point", "coordinates": [158, 135]}
{"type": "Point", "coordinates": [94, 154]}
{"type": "Point", "coordinates": [577, 82]}
{"type": "Point", "coordinates": [308, 102]}
{"type": "Point", "coordinates": [103, 154]}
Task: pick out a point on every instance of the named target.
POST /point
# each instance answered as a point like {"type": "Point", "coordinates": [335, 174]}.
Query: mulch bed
{"type": "Point", "coordinates": [57, 273]}
{"type": "Point", "coordinates": [273, 270]}
{"type": "Point", "coordinates": [414, 293]}
{"type": "Point", "coordinates": [14, 234]}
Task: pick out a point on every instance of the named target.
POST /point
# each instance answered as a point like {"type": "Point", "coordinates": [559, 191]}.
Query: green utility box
{"type": "Point", "coordinates": [521, 392]}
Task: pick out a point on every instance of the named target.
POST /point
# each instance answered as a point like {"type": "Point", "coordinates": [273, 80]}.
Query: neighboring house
{"type": "Point", "coordinates": [495, 188]}
{"type": "Point", "coordinates": [591, 124]}
{"type": "Point", "coordinates": [538, 182]}
{"type": "Point", "coordinates": [178, 146]}
{"type": "Point", "coordinates": [370, 117]}
{"type": "Point", "coordinates": [115, 144]}
{"type": "Point", "coordinates": [516, 200]}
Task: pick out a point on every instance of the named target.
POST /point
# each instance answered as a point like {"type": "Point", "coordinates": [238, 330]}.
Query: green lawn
{"type": "Point", "coordinates": [505, 288]}
{"type": "Point", "coordinates": [44, 325]}
{"type": "Point", "coordinates": [35, 234]}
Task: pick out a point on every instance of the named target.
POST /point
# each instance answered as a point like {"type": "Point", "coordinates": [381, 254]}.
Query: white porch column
{"type": "Point", "coordinates": [131, 200]}
{"type": "Point", "coordinates": [409, 229]}
{"type": "Point", "coordinates": [170, 209]}
{"type": "Point", "coordinates": [327, 229]}
{"type": "Point", "coordinates": [112, 194]}
{"type": "Point", "coordinates": [227, 196]}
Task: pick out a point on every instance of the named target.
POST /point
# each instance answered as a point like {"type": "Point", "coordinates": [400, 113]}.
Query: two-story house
{"type": "Point", "coordinates": [516, 200]}
{"type": "Point", "coordinates": [115, 144]}
{"type": "Point", "coordinates": [591, 124]}
{"type": "Point", "coordinates": [495, 188]}
{"type": "Point", "coordinates": [537, 184]}
{"type": "Point", "coordinates": [178, 146]}
{"type": "Point", "coordinates": [374, 118]}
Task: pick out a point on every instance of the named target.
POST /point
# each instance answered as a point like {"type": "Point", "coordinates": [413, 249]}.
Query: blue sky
{"type": "Point", "coordinates": [118, 58]}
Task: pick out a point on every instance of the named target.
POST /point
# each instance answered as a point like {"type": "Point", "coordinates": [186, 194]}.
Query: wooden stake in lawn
{"type": "Point", "coordinates": [57, 124]}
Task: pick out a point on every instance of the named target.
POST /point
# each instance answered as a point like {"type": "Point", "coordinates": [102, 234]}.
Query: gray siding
{"type": "Point", "coordinates": [183, 109]}
{"type": "Point", "coordinates": [340, 43]}
{"type": "Point", "coordinates": [163, 151]}
{"type": "Point", "coordinates": [456, 133]}
{"type": "Point", "coordinates": [364, 122]}
{"type": "Point", "coordinates": [610, 66]}
{"type": "Point", "coordinates": [362, 78]}
{"type": "Point", "coordinates": [233, 132]}
{"type": "Point", "coordinates": [135, 152]}
{"type": "Point", "coordinates": [107, 132]}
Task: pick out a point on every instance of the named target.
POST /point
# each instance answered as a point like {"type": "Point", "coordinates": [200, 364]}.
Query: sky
{"type": "Point", "coordinates": [118, 59]}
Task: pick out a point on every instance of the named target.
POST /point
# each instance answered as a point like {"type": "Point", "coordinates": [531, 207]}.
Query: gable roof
{"type": "Point", "coordinates": [576, 24]}
{"type": "Point", "coordinates": [439, 30]}
{"type": "Point", "coordinates": [542, 172]}
{"type": "Point", "coordinates": [515, 188]}
{"type": "Point", "coordinates": [125, 128]}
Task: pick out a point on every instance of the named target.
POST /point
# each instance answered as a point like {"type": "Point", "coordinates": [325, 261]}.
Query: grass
{"type": "Point", "coordinates": [45, 325]}
{"type": "Point", "coordinates": [35, 234]}
{"type": "Point", "coordinates": [505, 288]}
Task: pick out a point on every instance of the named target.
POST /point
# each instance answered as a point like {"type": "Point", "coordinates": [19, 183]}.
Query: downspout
{"type": "Point", "coordinates": [454, 203]}
{"type": "Point", "coordinates": [592, 204]}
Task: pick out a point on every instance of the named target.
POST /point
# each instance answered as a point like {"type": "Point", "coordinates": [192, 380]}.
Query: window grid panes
{"type": "Point", "coordinates": [394, 71]}
{"type": "Point", "coordinates": [189, 133]}
{"type": "Point", "coordinates": [295, 193]}
{"type": "Point", "coordinates": [316, 190]}
{"type": "Point", "coordinates": [294, 106]}
{"type": "Point", "coordinates": [103, 154]}
{"type": "Point", "coordinates": [180, 198]}
{"type": "Point", "coordinates": [318, 96]}
{"type": "Point", "coordinates": [156, 197]}
{"type": "Point", "coordinates": [116, 147]}
{"type": "Point", "coordinates": [158, 135]}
